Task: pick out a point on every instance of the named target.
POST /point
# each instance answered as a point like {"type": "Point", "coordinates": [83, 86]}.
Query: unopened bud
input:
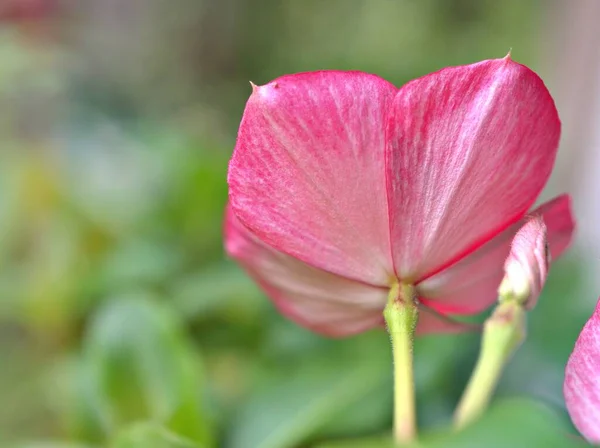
{"type": "Point", "coordinates": [526, 267]}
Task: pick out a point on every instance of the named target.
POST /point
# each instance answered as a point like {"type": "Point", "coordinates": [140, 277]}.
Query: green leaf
{"type": "Point", "coordinates": [515, 423]}
{"type": "Point", "coordinates": [136, 261]}
{"type": "Point", "coordinates": [139, 366]}
{"type": "Point", "coordinates": [150, 435]}
{"type": "Point", "coordinates": [221, 286]}
{"type": "Point", "coordinates": [437, 359]}
{"type": "Point", "coordinates": [51, 445]}
{"type": "Point", "coordinates": [292, 408]}
{"type": "Point", "coordinates": [366, 414]}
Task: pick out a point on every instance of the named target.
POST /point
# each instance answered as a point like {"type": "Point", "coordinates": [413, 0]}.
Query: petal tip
{"type": "Point", "coordinates": [264, 92]}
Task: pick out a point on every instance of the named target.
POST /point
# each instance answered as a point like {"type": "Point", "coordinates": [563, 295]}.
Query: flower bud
{"type": "Point", "coordinates": [526, 267]}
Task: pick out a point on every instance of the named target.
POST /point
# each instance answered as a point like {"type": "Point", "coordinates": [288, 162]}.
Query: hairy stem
{"type": "Point", "coordinates": [401, 314]}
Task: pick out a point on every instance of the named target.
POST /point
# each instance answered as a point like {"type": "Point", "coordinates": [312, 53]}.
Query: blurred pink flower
{"type": "Point", "coordinates": [21, 10]}
{"type": "Point", "coordinates": [582, 380]}
{"type": "Point", "coordinates": [526, 267]}
{"type": "Point", "coordinates": [341, 185]}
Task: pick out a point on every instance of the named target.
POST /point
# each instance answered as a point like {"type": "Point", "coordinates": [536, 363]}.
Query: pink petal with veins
{"type": "Point", "coordinates": [582, 380]}
{"type": "Point", "coordinates": [318, 300]}
{"type": "Point", "coordinates": [469, 150]}
{"type": "Point", "coordinates": [307, 174]}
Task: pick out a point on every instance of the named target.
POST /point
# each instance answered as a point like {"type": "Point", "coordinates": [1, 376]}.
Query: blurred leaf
{"type": "Point", "coordinates": [361, 364]}
{"type": "Point", "coordinates": [218, 287]}
{"type": "Point", "coordinates": [294, 407]}
{"type": "Point", "coordinates": [371, 442]}
{"type": "Point", "coordinates": [563, 301]}
{"type": "Point", "coordinates": [365, 415]}
{"type": "Point", "coordinates": [198, 193]}
{"type": "Point", "coordinates": [516, 422]}
{"type": "Point", "coordinates": [150, 435]}
{"type": "Point", "coordinates": [111, 179]}
{"type": "Point", "coordinates": [142, 367]}
{"type": "Point", "coordinates": [52, 445]}
{"type": "Point", "coordinates": [441, 366]}
{"type": "Point", "coordinates": [84, 416]}
{"type": "Point", "coordinates": [51, 275]}
{"type": "Point", "coordinates": [138, 262]}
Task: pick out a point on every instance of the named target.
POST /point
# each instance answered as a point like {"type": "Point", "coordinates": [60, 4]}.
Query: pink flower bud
{"type": "Point", "coordinates": [526, 267]}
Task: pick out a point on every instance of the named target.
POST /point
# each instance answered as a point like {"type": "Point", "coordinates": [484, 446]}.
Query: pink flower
{"type": "Point", "coordinates": [526, 267]}
{"type": "Point", "coordinates": [582, 380]}
{"type": "Point", "coordinates": [20, 10]}
{"type": "Point", "coordinates": [342, 185]}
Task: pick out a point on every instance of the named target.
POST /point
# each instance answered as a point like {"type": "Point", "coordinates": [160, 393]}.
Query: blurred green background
{"type": "Point", "coordinates": [121, 322]}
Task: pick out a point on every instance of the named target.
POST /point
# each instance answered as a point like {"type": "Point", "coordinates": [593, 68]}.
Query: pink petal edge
{"type": "Point", "coordinates": [582, 380]}
{"type": "Point", "coordinates": [470, 286]}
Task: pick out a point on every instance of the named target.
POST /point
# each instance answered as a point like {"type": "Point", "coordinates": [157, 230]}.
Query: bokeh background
{"type": "Point", "coordinates": [122, 321]}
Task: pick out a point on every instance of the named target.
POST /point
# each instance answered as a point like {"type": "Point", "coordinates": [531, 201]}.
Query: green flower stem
{"type": "Point", "coordinates": [401, 314]}
{"type": "Point", "coordinates": [503, 333]}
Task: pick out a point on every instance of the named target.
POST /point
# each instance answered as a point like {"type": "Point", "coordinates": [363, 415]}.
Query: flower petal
{"type": "Point", "coordinates": [323, 302]}
{"type": "Point", "coordinates": [582, 380]}
{"type": "Point", "coordinates": [307, 174]}
{"type": "Point", "coordinates": [315, 299]}
{"type": "Point", "coordinates": [470, 149]}
{"type": "Point", "coordinates": [471, 285]}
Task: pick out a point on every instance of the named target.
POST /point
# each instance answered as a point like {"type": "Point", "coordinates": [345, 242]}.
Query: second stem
{"type": "Point", "coordinates": [503, 332]}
